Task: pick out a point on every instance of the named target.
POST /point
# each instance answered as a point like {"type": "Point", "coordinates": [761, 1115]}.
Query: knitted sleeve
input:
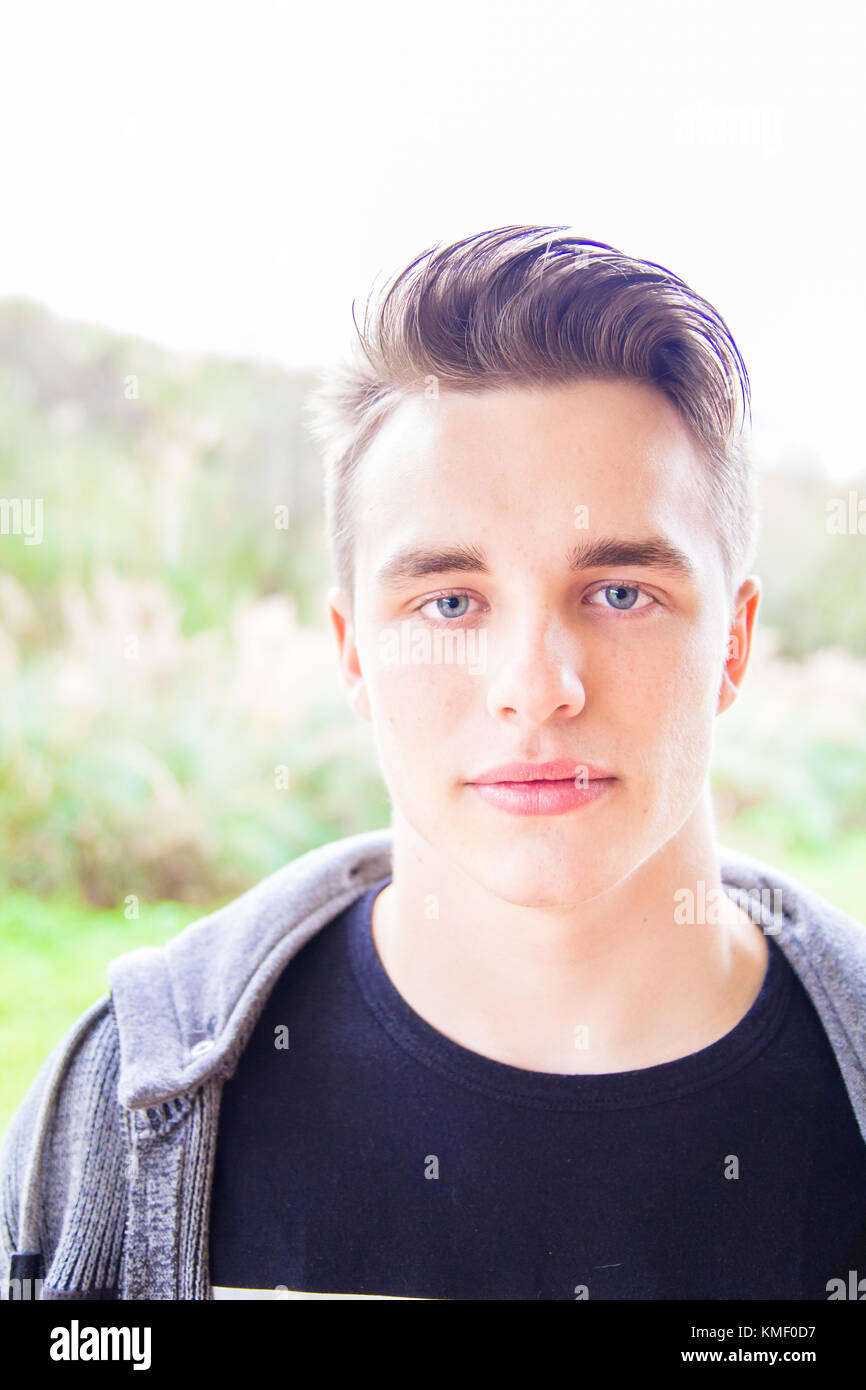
{"type": "Point", "coordinates": [63, 1170]}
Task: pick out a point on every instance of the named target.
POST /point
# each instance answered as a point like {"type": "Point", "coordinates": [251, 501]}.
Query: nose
{"type": "Point", "coordinates": [538, 679]}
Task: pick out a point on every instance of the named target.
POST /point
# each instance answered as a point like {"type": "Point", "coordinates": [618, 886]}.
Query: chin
{"type": "Point", "coordinates": [536, 875]}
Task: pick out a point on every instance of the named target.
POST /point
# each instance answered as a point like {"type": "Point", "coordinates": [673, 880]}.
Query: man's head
{"type": "Point", "coordinates": [564, 423]}
{"type": "Point", "coordinates": [539, 306]}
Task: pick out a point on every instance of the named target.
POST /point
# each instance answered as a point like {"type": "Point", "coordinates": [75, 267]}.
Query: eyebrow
{"type": "Point", "coordinates": [650, 552]}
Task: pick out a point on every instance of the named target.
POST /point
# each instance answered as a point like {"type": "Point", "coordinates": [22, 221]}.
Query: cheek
{"type": "Point", "coordinates": [666, 697]}
{"type": "Point", "coordinates": [419, 704]}
{"type": "Point", "coordinates": [682, 703]}
{"type": "Point", "coordinates": [685, 682]}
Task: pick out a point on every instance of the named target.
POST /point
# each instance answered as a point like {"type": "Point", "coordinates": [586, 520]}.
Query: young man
{"type": "Point", "coordinates": [542, 1038]}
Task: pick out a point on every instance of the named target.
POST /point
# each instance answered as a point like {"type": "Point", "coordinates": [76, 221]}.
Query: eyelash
{"type": "Point", "coordinates": [464, 593]}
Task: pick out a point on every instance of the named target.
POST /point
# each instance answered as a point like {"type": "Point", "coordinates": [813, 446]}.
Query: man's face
{"type": "Point", "coordinates": [620, 664]}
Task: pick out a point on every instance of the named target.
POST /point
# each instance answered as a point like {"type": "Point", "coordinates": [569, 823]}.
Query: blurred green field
{"type": "Point", "coordinates": [55, 954]}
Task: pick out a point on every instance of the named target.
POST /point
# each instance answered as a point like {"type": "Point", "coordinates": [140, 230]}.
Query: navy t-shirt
{"type": "Point", "coordinates": [372, 1155]}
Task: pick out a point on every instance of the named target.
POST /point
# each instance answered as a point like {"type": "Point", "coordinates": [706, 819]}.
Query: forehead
{"type": "Point", "coordinates": [508, 469]}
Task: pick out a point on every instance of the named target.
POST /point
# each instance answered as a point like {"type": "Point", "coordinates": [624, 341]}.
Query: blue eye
{"type": "Point", "coordinates": [620, 598]}
{"type": "Point", "coordinates": [449, 607]}
{"type": "Point", "coordinates": [451, 600]}
{"type": "Point", "coordinates": [619, 590]}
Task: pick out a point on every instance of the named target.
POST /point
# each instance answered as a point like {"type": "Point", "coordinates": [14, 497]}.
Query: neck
{"type": "Point", "coordinates": [611, 984]}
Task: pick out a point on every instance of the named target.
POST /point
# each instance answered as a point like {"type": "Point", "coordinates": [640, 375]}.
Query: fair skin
{"type": "Point", "coordinates": [514, 936]}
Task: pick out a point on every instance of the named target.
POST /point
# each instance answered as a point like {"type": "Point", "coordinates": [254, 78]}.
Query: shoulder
{"type": "Point", "coordinates": [826, 947]}
{"type": "Point", "coordinates": [186, 1010]}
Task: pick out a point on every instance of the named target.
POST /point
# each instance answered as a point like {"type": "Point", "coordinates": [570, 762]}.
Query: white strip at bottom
{"type": "Point", "coordinates": [224, 1291]}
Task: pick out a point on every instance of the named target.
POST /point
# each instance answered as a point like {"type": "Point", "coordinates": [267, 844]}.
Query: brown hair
{"type": "Point", "coordinates": [538, 306]}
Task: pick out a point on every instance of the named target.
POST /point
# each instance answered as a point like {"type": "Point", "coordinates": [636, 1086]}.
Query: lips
{"type": "Point", "coordinates": [560, 770]}
{"type": "Point", "coordinates": [544, 789]}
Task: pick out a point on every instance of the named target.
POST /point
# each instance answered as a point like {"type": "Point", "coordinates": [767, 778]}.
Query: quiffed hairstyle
{"type": "Point", "coordinates": [536, 306]}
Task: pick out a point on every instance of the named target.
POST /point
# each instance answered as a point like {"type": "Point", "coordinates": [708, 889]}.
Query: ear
{"type": "Point", "coordinates": [739, 642]}
{"type": "Point", "coordinates": [347, 653]}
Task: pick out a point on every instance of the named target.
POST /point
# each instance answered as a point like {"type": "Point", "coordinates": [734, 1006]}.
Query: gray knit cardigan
{"type": "Point", "coordinates": [107, 1166]}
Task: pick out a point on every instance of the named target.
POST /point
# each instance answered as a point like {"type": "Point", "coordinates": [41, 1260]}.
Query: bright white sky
{"type": "Point", "coordinates": [228, 177]}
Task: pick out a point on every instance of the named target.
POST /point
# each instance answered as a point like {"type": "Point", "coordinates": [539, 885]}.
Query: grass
{"type": "Point", "coordinates": [55, 954]}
